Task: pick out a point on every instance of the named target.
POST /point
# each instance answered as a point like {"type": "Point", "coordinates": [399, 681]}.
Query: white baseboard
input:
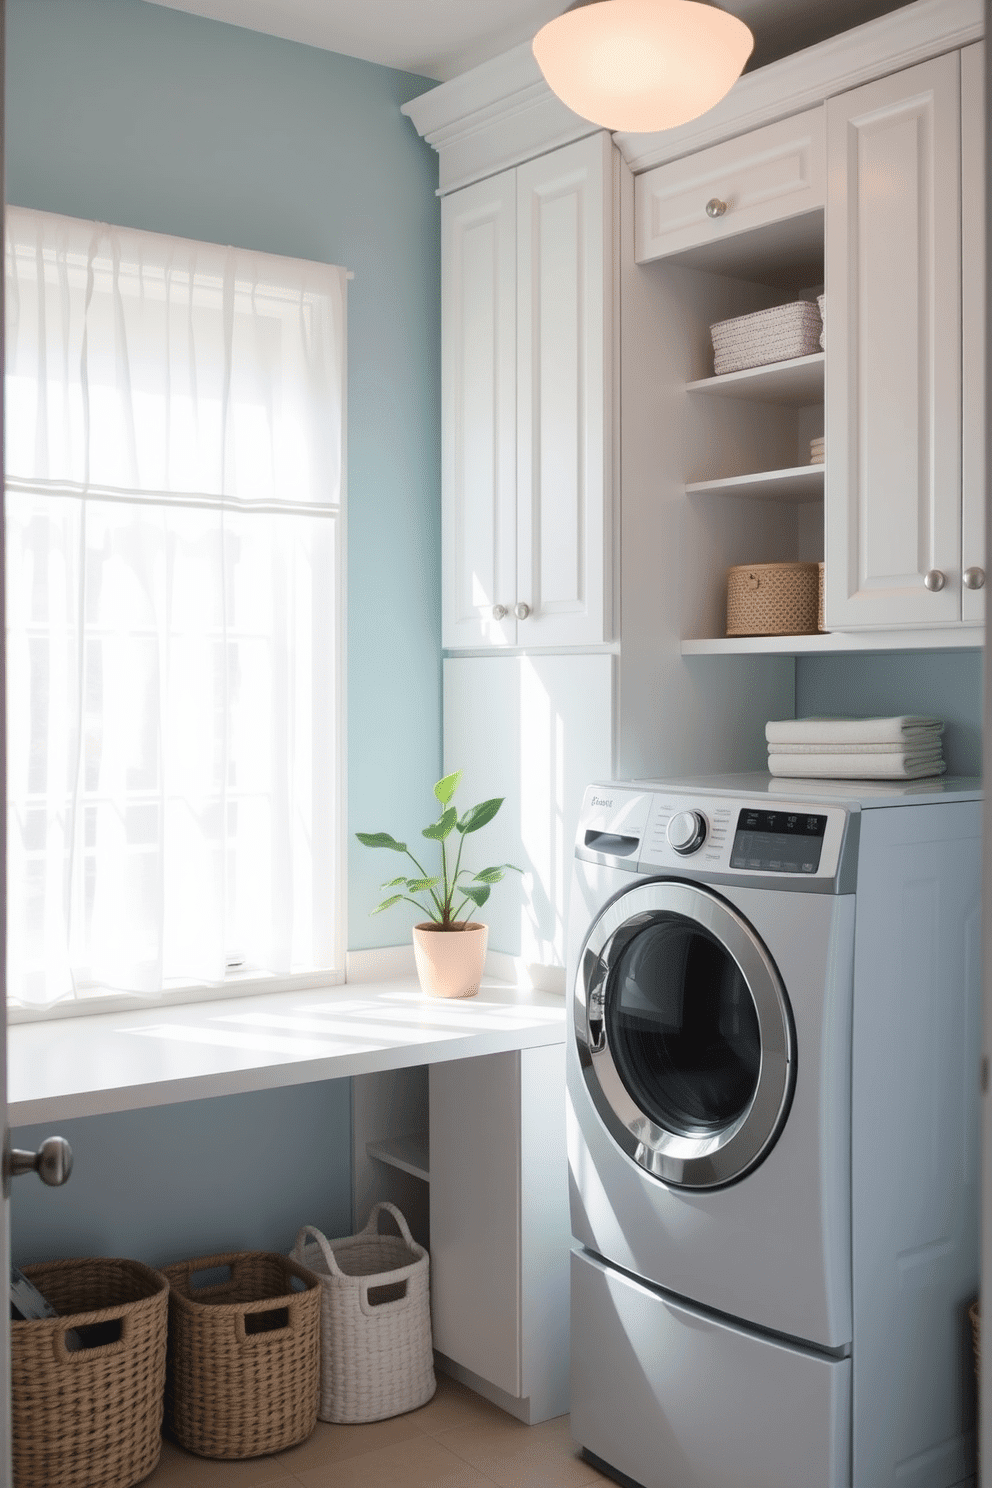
{"type": "Point", "coordinates": [526, 973]}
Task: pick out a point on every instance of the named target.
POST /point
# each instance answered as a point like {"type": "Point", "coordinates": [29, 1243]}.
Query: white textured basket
{"type": "Point", "coordinates": [766, 336]}
{"type": "Point", "coordinates": [376, 1358]}
{"type": "Point", "coordinates": [821, 301]}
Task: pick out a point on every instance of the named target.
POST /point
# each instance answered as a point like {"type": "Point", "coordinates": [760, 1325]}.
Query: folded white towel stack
{"type": "Point", "coordinates": [816, 449]}
{"type": "Point", "coordinates": [907, 747]}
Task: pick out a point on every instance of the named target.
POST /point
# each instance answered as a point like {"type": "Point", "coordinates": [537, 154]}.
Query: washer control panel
{"type": "Point", "coordinates": [737, 837]}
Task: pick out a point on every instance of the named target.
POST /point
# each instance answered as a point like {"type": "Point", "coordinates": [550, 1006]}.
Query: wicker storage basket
{"type": "Point", "coordinates": [766, 336]}
{"type": "Point", "coordinates": [376, 1355]}
{"type": "Point", "coordinates": [819, 599]}
{"type": "Point", "coordinates": [244, 1355]}
{"type": "Point", "coordinates": [90, 1417]}
{"type": "Point", "coordinates": [772, 599]}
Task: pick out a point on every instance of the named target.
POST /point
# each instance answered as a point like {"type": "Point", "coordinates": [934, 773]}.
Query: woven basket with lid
{"type": "Point", "coordinates": [90, 1417]}
{"type": "Point", "coordinates": [772, 599]}
{"type": "Point", "coordinates": [244, 1355]}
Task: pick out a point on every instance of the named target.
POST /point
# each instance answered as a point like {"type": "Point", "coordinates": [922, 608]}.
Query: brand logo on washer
{"type": "Point", "coordinates": [600, 801]}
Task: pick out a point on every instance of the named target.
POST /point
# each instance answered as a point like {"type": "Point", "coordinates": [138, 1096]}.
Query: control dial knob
{"type": "Point", "coordinates": [687, 831]}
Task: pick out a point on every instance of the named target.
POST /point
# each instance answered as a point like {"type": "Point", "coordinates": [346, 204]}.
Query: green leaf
{"type": "Point", "coordinates": [477, 896]}
{"type": "Point", "coordinates": [380, 839]}
{"type": "Point", "coordinates": [387, 904]}
{"type": "Point", "coordinates": [495, 875]}
{"type": "Point", "coordinates": [419, 885]}
{"type": "Point", "coordinates": [394, 883]}
{"type": "Point", "coordinates": [444, 825]}
{"type": "Point", "coordinates": [445, 789]}
{"type": "Point", "coordinates": [478, 816]}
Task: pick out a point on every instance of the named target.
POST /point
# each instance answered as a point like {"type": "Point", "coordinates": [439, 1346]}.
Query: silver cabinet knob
{"type": "Point", "coordinates": [715, 207]}
{"type": "Point", "coordinates": [974, 578]}
{"type": "Point", "coordinates": [52, 1162]}
{"type": "Point", "coordinates": [521, 610]}
{"type": "Point", "coordinates": [500, 612]}
{"type": "Point", "coordinates": [934, 580]}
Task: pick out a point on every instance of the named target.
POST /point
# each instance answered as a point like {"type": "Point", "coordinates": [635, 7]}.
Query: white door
{"type": "Point", "coordinates": [973, 563]}
{"type": "Point", "coordinates": [478, 402]}
{"type": "Point", "coordinates": [893, 370]}
{"type": "Point", "coordinates": [565, 275]}
{"type": "Point", "coordinates": [6, 1470]}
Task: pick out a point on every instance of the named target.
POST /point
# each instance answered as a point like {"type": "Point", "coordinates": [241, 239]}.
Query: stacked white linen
{"type": "Point", "coordinates": [907, 747]}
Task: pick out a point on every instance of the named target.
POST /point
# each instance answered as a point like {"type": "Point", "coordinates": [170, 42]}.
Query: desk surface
{"type": "Point", "coordinates": [88, 1066]}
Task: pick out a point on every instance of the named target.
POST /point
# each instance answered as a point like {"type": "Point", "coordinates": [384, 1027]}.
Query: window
{"type": "Point", "coordinates": [174, 511]}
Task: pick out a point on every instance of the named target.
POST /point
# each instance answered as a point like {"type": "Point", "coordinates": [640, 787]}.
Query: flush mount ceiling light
{"type": "Point", "coordinates": [641, 65]}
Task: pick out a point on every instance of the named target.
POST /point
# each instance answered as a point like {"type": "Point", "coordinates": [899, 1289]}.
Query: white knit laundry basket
{"type": "Point", "coordinates": [376, 1358]}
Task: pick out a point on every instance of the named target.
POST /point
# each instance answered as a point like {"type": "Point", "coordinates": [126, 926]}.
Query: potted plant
{"type": "Point", "coordinates": [450, 952]}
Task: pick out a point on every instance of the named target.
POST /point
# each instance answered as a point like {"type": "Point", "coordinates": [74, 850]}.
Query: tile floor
{"type": "Point", "coordinates": [457, 1440]}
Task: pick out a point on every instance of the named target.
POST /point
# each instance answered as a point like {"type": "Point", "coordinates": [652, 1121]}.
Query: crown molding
{"type": "Point", "coordinates": [888, 44]}
{"type": "Point", "coordinates": [494, 116]}
{"type": "Point", "coordinates": [503, 112]}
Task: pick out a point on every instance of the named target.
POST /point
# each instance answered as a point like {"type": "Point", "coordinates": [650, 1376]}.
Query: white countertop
{"type": "Point", "coordinates": [87, 1066]}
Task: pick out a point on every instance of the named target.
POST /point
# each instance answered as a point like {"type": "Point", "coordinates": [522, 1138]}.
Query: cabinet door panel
{"type": "Point", "coordinates": [973, 324]}
{"type": "Point", "coordinates": [535, 730]}
{"type": "Point", "coordinates": [766, 176]}
{"type": "Point", "coordinates": [475, 1215]}
{"type": "Point", "coordinates": [564, 393]}
{"type": "Point", "coordinates": [893, 475]}
{"type": "Point", "coordinates": [478, 349]}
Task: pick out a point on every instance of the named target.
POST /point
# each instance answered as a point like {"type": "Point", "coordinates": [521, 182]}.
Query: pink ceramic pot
{"type": "Point", "coordinates": [450, 962]}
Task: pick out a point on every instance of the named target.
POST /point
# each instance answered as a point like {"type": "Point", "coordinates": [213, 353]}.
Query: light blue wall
{"type": "Point", "coordinates": [242, 1172]}
{"type": "Point", "coordinates": [938, 684]}
{"type": "Point", "coordinates": [136, 114]}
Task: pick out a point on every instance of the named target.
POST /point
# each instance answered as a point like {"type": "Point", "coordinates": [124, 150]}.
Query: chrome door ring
{"type": "Point", "coordinates": [712, 1159]}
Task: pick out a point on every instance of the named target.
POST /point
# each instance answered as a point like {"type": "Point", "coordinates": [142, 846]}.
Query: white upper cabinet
{"type": "Point", "coordinates": [893, 363]}
{"type": "Point", "coordinates": [527, 334]}
{"type": "Point", "coordinates": [766, 176]}
{"type": "Point", "coordinates": [479, 389]}
{"type": "Point", "coordinates": [973, 564]}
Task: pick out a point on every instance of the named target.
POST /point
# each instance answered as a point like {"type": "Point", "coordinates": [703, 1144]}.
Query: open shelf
{"type": "Point", "coordinates": [798, 381]}
{"type": "Point", "coordinates": [800, 483]}
{"type": "Point", "coordinates": [956, 639]}
{"type": "Point", "coordinates": [410, 1154]}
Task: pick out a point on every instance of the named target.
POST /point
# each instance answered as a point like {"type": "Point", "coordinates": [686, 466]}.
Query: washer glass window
{"type": "Point", "coordinates": [685, 1034]}
{"type": "Point", "coordinates": [683, 1027]}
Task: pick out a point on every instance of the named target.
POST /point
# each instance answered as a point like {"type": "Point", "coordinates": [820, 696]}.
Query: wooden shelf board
{"type": "Point", "coordinates": [410, 1154]}
{"type": "Point", "coordinates": [798, 381]}
{"type": "Point", "coordinates": [800, 483]}
{"type": "Point", "coordinates": [956, 639]}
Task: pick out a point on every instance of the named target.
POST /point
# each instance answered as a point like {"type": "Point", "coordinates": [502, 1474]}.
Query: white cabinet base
{"type": "Point", "coordinates": [527, 1409]}
{"type": "Point", "coordinates": [500, 1227]}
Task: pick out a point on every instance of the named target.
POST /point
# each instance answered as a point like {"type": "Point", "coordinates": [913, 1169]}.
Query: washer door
{"type": "Point", "coordinates": [685, 1034]}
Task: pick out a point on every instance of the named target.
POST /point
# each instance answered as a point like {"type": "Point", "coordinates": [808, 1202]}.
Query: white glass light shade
{"type": "Point", "coordinates": [641, 65]}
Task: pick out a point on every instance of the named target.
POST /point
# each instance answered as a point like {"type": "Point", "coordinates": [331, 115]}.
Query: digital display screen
{"type": "Point", "coordinates": [778, 841]}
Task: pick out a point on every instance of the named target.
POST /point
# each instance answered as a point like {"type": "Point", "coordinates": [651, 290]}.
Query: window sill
{"type": "Point", "coordinates": [126, 1060]}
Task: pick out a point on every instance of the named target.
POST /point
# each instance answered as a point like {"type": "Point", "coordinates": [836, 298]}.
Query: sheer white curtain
{"type": "Point", "coordinates": [174, 489]}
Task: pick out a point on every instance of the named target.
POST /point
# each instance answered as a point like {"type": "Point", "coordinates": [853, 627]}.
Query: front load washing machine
{"type": "Point", "coordinates": [772, 1073]}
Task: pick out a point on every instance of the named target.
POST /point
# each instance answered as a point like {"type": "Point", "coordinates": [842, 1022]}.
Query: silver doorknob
{"type": "Point", "coordinates": [52, 1162]}
{"type": "Point", "coordinates": [521, 610]}
{"type": "Point", "coordinates": [500, 612]}
{"type": "Point", "coordinates": [715, 207]}
{"type": "Point", "coordinates": [934, 580]}
{"type": "Point", "coordinates": [974, 578]}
